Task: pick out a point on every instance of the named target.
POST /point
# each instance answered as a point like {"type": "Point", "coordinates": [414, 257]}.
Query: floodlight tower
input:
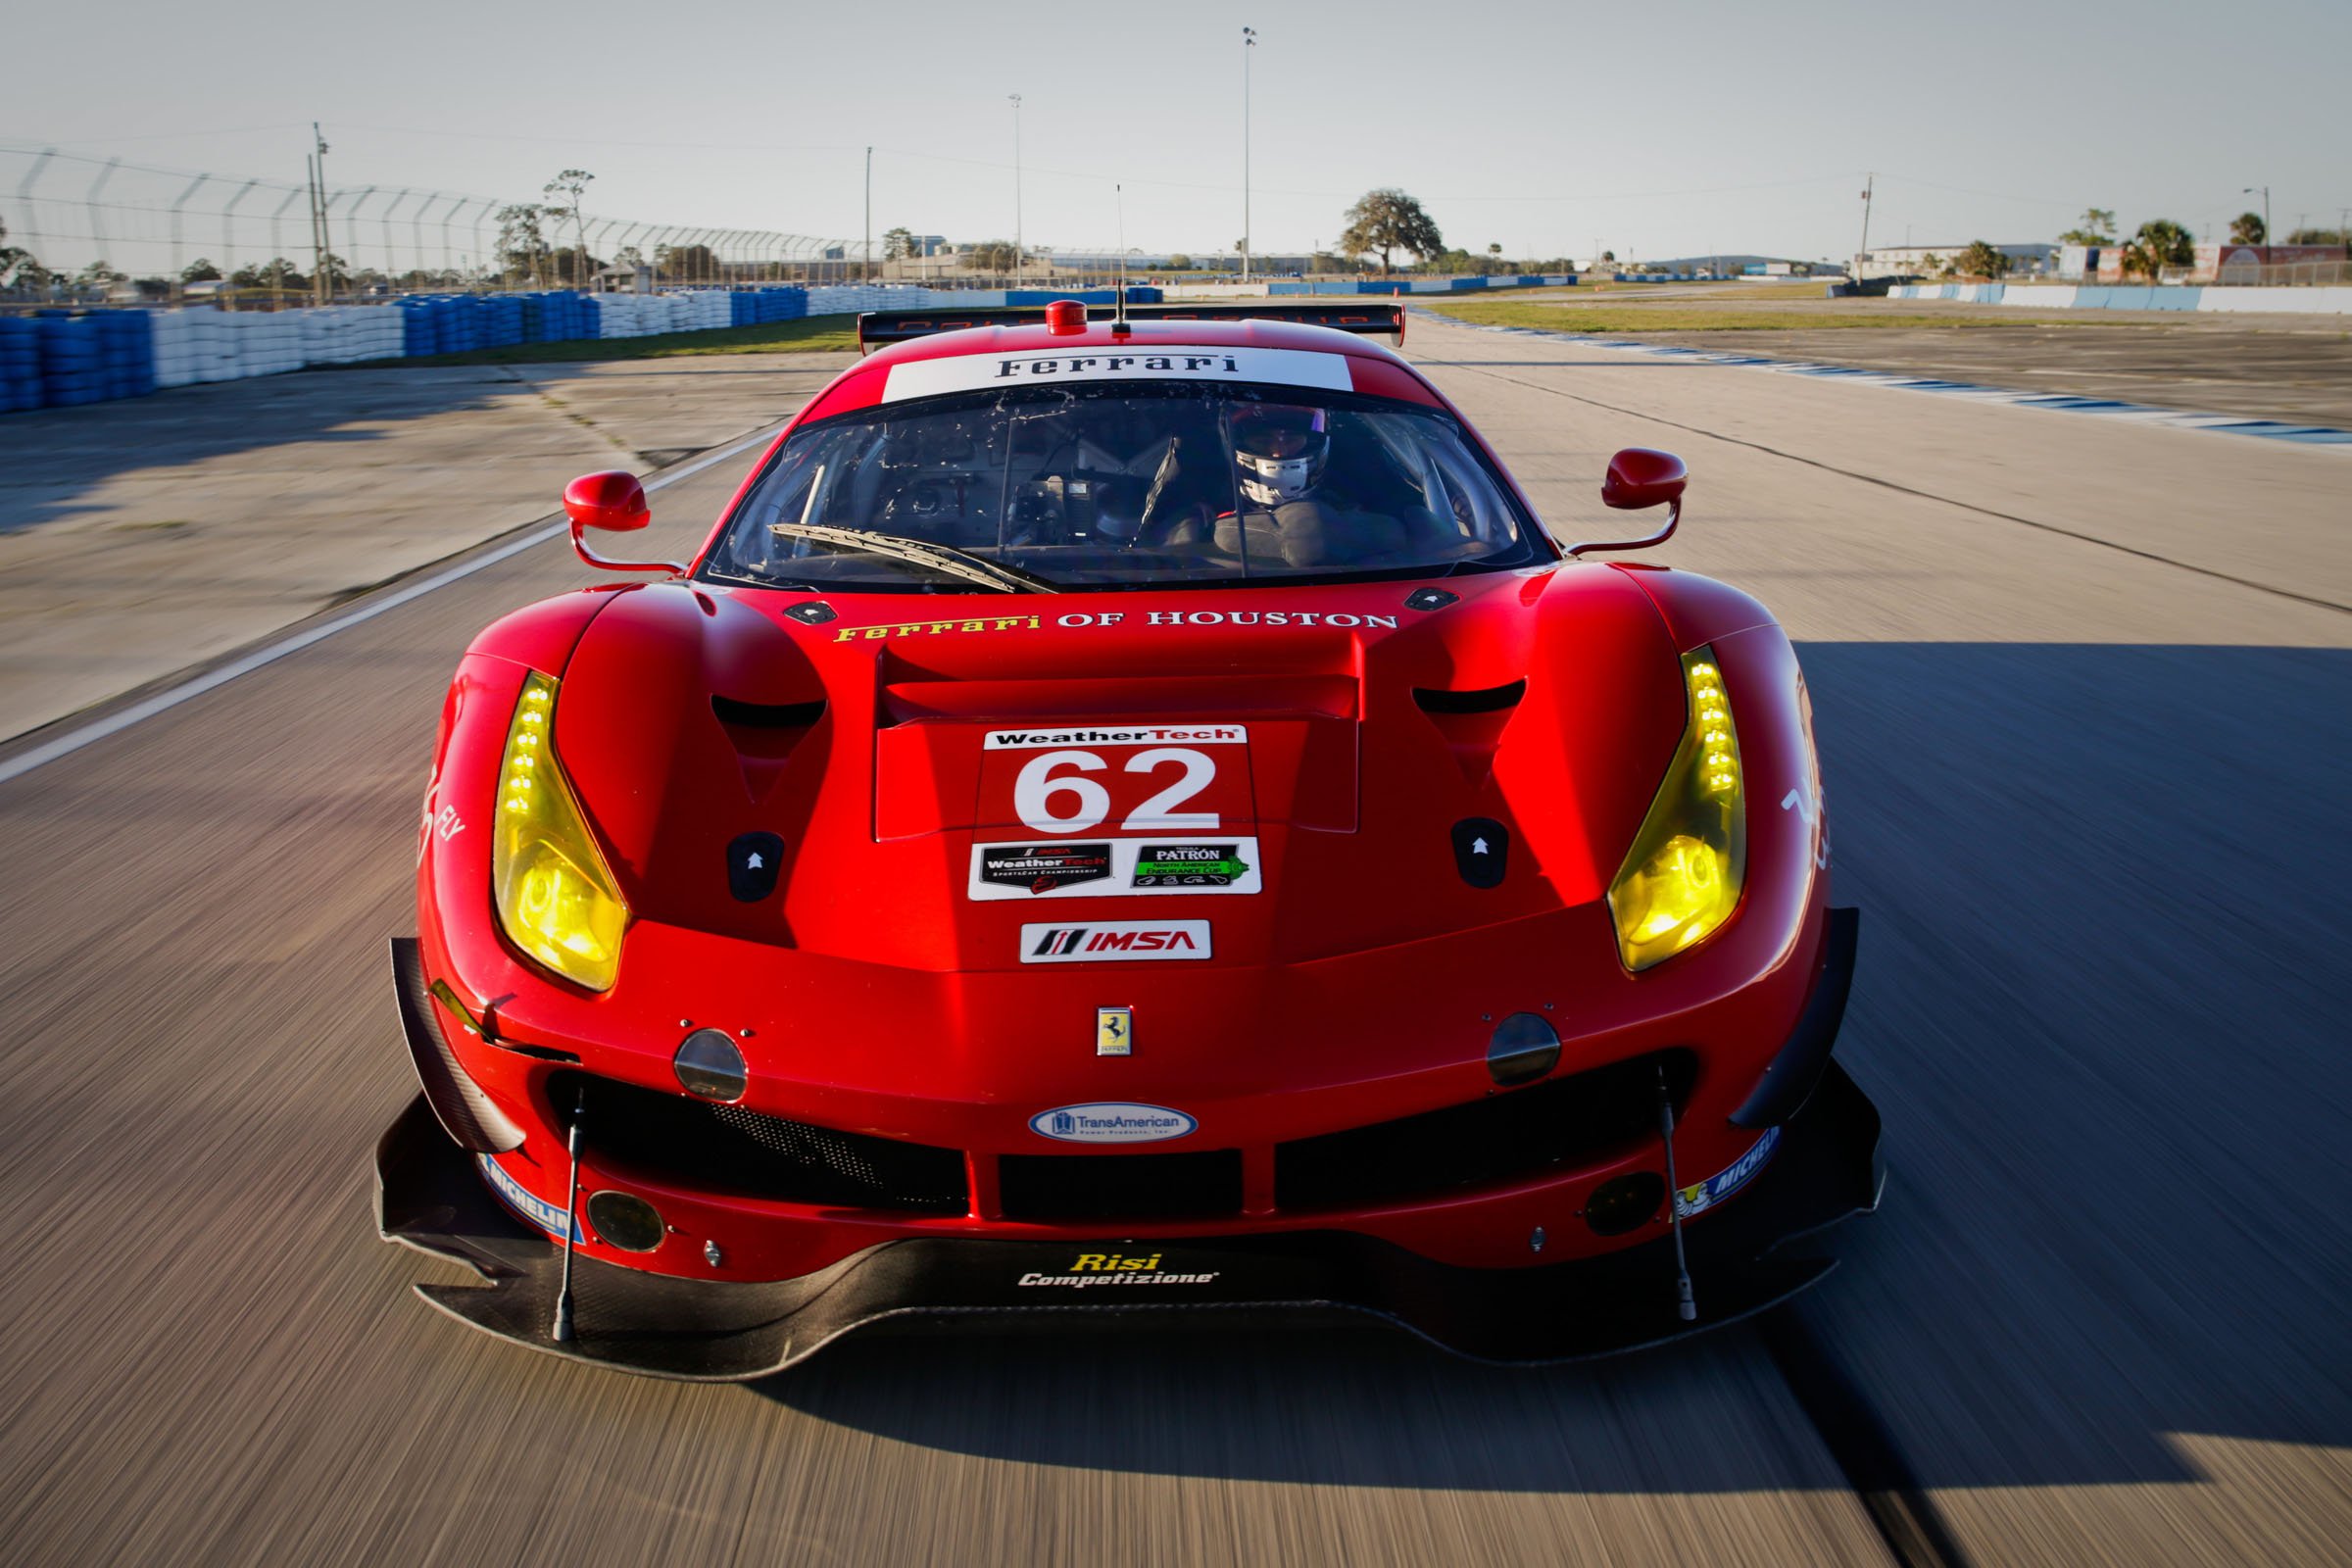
{"type": "Point", "coordinates": [1016, 189]}
{"type": "Point", "coordinates": [1249, 43]}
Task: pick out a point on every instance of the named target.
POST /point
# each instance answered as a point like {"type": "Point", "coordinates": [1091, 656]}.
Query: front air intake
{"type": "Point", "coordinates": [1586, 1118]}
{"type": "Point", "coordinates": [671, 1138]}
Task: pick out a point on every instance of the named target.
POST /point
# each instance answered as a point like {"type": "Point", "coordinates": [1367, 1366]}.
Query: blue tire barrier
{"type": "Point", "coordinates": [20, 364]}
{"type": "Point", "coordinates": [60, 358]}
{"type": "Point", "coordinates": [72, 361]}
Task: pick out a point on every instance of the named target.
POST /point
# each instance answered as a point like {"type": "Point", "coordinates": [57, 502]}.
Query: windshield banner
{"type": "Point", "coordinates": [1157, 362]}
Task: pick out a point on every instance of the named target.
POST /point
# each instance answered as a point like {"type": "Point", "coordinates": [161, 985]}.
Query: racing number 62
{"type": "Point", "coordinates": [1035, 789]}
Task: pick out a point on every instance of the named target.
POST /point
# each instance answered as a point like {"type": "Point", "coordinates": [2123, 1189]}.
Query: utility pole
{"type": "Point", "coordinates": [320, 290]}
{"type": "Point", "coordinates": [1249, 43]}
{"type": "Point", "coordinates": [1016, 189]}
{"type": "Point", "coordinates": [869, 213]}
{"type": "Point", "coordinates": [1869, 183]}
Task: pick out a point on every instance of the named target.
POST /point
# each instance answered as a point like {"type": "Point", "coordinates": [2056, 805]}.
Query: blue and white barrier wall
{"type": "Point", "coordinates": [1420, 285]}
{"type": "Point", "coordinates": [2135, 297]}
{"type": "Point", "coordinates": [60, 358]}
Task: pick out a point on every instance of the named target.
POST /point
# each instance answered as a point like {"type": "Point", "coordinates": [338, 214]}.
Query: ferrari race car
{"type": "Point", "coordinates": [1125, 819]}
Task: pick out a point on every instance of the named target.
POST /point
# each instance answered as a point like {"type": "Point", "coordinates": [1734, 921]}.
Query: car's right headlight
{"type": "Point", "coordinates": [556, 898]}
{"type": "Point", "coordinates": [1681, 880]}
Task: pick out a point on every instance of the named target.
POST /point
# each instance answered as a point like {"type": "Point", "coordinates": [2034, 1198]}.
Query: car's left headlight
{"type": "Point", "coordinates": [1681, 880]}
{"type": "Point", "coordinates": [556, 897]}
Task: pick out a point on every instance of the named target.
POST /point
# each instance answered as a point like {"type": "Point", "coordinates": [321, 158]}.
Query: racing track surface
{"type": "Point", "coordinates": [2080, 686]}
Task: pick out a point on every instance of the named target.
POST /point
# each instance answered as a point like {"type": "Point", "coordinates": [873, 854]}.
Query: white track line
{"type": "Point", "coordinates": [113, 723]}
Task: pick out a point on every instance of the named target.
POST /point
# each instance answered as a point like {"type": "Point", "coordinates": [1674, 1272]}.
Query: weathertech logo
{"type": "Point", "coordinates": [1012, 740]}
{"type": "Point", "coordinates": [1113, 939]}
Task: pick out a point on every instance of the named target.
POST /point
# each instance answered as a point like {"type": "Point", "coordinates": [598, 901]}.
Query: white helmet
{"type": "Point", "coordinates": [1280, 449]}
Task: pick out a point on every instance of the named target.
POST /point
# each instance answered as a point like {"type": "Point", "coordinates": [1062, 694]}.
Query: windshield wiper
{"type": "Point", "coordinates": [955, 562]}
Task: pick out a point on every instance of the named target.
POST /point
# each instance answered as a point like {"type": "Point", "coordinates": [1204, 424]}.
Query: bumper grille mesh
{"type": "Point", "coordinates": [700, 1145]}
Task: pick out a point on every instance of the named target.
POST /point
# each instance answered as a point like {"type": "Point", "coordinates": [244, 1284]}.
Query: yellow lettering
{"type": "Point", "coordinates": [1090, 1260]}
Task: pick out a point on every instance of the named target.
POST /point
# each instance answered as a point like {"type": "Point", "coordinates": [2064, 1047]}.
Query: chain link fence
{"type": "Point", "coordinates": [79, 227]}
{"type": "Point", "coordinates": [82, 229]}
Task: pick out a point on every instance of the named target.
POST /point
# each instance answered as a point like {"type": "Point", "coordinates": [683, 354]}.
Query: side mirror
{"type": "Point", "coordinates": [614, 500]}
{"type": "Point", "coordinates": [1639, 477]}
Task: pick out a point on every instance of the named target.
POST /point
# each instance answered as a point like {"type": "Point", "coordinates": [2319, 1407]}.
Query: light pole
{"type": "Point", "coordinates": [2266, 210]}
{"type": "Point", "coordinates": [1870, 182]}
{"type": "Point", "coordinates": [322, 286]}
{"type": "Point", "coordinates": [1016, 189]}
{"type": "Point", "coordinates": [1249, 43]}
{"type": "Point", "coordinates": [869, 215]}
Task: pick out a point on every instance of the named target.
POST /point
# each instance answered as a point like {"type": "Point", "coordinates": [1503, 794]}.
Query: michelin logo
{"type": "Point", "coordinates": [548, 1216]}
{"type": "Point", "coordinates": [1703, 1196]}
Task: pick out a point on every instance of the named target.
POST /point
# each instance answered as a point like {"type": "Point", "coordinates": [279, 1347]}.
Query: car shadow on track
{"type": "Point", "coordinates": [2104, 955]}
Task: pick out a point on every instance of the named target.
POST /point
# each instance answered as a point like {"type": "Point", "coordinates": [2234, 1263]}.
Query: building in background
{"type": "Point", "coordinates": [2037, 259]}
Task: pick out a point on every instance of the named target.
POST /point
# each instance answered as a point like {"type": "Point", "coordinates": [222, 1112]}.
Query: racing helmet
{"type": "Point", "coordinates": [1280, 449]}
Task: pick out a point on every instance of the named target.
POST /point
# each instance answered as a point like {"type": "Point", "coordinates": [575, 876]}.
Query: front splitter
{"type": "Point", "coordinates": [429, 1195]}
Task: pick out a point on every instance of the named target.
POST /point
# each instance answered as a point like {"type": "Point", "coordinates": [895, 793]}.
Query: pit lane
{"type": "Point", "coordinates": [2081, 721]}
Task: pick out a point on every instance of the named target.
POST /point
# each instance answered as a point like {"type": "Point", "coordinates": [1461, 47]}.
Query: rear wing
{"type": "Point", "coordinates": [881, 329]}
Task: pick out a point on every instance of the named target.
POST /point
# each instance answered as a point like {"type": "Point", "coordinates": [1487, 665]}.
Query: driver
{"type": "Point", "coordinates": [1294, 507]}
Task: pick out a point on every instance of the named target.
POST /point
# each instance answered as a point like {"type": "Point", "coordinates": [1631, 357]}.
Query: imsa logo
{"type": "Point", "coordinates": [1114, 940]}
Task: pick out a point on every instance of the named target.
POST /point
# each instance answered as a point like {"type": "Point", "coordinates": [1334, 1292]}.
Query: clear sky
{"type": "Point", "coordinates": [1657, 129]}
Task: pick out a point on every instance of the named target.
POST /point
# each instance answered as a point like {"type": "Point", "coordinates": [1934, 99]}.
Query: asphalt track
{"type": "Point", "coordinates": [2080, 686]}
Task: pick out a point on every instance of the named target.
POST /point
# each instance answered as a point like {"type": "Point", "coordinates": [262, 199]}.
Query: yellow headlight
{"type": "Point", "coordinates": [555, 899]}
{"type": "Point", "coordinates": [1682, 879]}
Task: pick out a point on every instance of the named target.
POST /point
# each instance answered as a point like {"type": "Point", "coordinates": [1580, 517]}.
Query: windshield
{"type": "Point", "coordinates": [1137, 485]}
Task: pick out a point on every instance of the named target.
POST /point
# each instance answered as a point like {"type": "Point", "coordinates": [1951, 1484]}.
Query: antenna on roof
{"type": "Point", "coordinates": [1118, 307]}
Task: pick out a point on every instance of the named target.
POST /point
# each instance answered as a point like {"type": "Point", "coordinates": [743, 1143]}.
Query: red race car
{"type": "Point", "coordinates": [1125, 816]}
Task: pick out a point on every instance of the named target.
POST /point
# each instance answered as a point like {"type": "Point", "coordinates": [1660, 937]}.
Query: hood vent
{"type": "Point", "coordinates": [767, 715]}
{"type": "Point", "coordinates": [763, 735]}
{"type": "Point", "coordinates": [1471, 722]}
{"type": "Point", "coordinates": [1486, 700]}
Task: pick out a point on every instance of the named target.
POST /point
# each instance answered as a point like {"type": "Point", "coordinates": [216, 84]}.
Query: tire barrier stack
{"type": "Point", "coordinates": [70, 356]}
{"type": "Point", "coordinates": [20, 363]}
{"type": "Point", "coordinates": [764, 307]}
{"type": "Point", "coordinates": [61, 359]}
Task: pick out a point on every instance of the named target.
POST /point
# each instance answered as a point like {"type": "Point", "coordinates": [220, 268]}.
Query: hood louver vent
{"type": "Point", "coordinates": [1471, 722]}
{"type": "Point", "coordinates": [763, 735]}
{"type": "Point", "coordinates": [1486, 700]}
{"type": "Point", "coordinates": [767, 715]}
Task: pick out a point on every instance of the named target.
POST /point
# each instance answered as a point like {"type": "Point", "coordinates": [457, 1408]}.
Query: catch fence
{"type": "Point", "coordinates": [98, 219]}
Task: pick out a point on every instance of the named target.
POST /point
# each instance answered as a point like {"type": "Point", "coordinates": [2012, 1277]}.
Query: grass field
{"type": "Point", "coordinates": [821, 334]}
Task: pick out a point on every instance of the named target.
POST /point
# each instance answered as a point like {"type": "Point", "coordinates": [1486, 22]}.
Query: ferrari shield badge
{"type": "Point", "coordinates": [1114, 1032]}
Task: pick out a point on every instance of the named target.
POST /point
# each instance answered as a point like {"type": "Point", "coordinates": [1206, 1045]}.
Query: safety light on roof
{"type": "Point", "coordinates": [1065, 317]}
{"type": "Point", "coordinates": [555, 899]}
{"type": "Point", "coordinates": [1682, 879]}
